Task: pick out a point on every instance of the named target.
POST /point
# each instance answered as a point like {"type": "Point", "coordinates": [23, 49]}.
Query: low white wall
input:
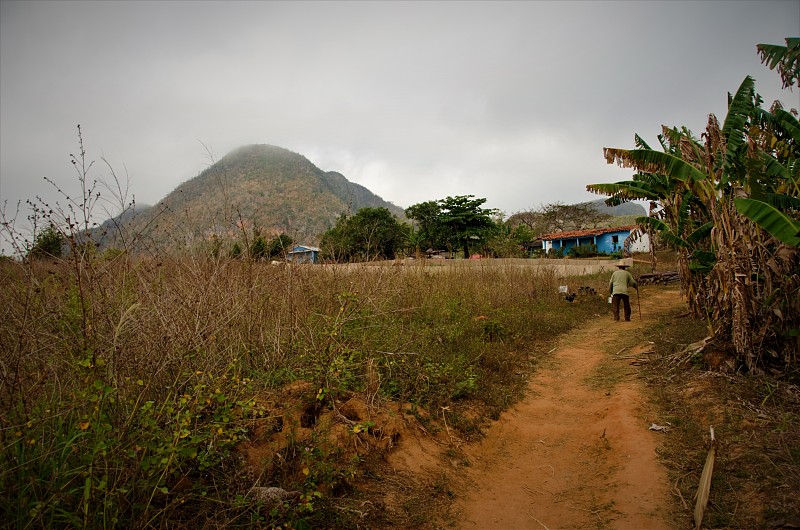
{"type": "Point", "coordinates": [561, 267]}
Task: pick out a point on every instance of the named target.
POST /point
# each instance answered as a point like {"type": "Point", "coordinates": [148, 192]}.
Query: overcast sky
{"type": "Point", "coordinates": [512, 102]}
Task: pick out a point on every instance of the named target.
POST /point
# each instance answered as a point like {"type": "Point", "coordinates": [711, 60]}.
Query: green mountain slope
{"type": "Point", "coordinates": [257, 187]}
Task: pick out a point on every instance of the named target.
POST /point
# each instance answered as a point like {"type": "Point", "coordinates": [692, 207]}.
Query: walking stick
{"type": "Point", "coordinates": [639, 303]}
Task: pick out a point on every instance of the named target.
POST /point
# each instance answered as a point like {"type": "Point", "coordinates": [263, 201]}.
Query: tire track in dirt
{"type": "Point", "coordinates": [576, 452]}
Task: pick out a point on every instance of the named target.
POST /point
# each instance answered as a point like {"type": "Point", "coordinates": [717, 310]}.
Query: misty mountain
{"type": "Point", "coordinates": [256, 188]}
{"type": "Point", "coordinates": [627, 208]}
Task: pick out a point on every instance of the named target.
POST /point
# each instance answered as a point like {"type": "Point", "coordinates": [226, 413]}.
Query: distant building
{"type": "Point", "coordinates": [303, 254]}
{"type": "Point", "coordinates": [532, 247]}
{"type": "Point", "coordinates": [607, 240]}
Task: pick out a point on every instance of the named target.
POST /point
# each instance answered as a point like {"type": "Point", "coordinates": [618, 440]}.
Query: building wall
{"type": "Point", "coordinates": [302, 254]}
{"type": "Point", "coordinates": [608, 243]}
{"type": "Point", "coordinates": [642, 244]}
{"type": "Point", "coordinates": [303, 257]}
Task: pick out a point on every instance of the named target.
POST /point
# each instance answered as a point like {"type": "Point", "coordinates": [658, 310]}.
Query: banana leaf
{"type": "Point", "coordinates": [649, 161]}
{"type": "Point", "coordinates": [775, 222]}
{"type": "Point", "coordinates": [704, 488]}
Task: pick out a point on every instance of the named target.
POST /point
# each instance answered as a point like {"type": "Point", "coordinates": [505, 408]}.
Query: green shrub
{"type": "Point", "coordinates": [584, 251]}
{"type": "Point", "coordinates": [47, 244]}
{"type": "Point", "coordinates": [555, 253]}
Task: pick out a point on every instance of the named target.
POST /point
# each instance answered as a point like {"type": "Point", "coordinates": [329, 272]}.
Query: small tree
{"type": "Point", "coordinates": [279, 246]}
{"type": "Point", "coordinates": [372, 233]}
{"type": "Point", "coordinates": [258, 248]}
{"type": "Point", "coordinates": [47, 244]}
{"type": "Point", "coordinates": [428, 230]}
{"type": "Point", "coordinates": [509, 241]}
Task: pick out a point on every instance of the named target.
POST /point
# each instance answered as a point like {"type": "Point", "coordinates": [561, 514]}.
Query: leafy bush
{"type": "Point", "coordinates": [47, 244]}
{"type": "Point", "coordinates": [584, 251]}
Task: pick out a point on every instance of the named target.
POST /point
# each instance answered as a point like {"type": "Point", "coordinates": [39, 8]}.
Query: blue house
{"type": "Point", "coordinates": [607, 240]}
{"type": "Point", "coordinates": [303, 254]}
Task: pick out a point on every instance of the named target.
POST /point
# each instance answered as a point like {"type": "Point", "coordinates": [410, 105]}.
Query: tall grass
{"type": "Point", "coordinates": [126, 380]}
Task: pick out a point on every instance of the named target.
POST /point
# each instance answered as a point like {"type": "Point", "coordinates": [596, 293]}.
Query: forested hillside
{"type": "Point", "coordinates": [256, 188]}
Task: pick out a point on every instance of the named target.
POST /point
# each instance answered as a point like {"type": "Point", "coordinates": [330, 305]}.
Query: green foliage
{"type": "Point", "coordinates": [48, 244]}
{"type": "Point", "coordinates": [507, 242]}
{"type": "Point", "coordinates": [464, 220]}
{"type": "Point", "coordinates": [103, 455]}
{"type": "Point", "coordinates": [454, 222]}
{"type": "Point", "coordinates": [426, 214]}
{"type": "Point", "coordinates": [778, 224]}
{"type": "Point", "coordinates": [279, 246]}
{"type": "Point", "coordinates": [583, 251]}
{"type": "Point", "coordinates": [372, 233]}
{"type": "Point", "coordinates": [258, 248]}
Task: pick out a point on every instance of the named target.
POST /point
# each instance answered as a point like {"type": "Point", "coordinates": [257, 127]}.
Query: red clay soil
{"type": "Point", "coordinates": [577, 452]}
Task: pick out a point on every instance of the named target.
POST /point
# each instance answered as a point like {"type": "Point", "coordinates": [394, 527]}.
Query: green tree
{"type": "Point", "coordinates": [47, 244]}
{"type": "Point", "coordinates": [454, 222]}
{"type": "Point", "coordinates": [372, 233]}
{"type": "Point", "coordinates": [464, 221]}
{"type": "Point", "coordinates": [258, 248]}
{"type": "Point", "coordinates": [508, 241]}
{"type": "Point", "coordinates": [279, 246]}
{"type": "Point", "coordinates": [426, 214]}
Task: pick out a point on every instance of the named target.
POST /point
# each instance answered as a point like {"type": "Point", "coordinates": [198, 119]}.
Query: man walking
{"type": "Point", "coordinates": [618, 289]}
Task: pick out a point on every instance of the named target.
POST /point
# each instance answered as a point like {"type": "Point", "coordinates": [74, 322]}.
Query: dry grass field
{"type": "Point", "coordinates": [145, 393]}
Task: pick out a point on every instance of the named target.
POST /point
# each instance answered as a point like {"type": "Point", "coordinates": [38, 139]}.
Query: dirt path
{"type": "Point", "coordinates": [577, 452]}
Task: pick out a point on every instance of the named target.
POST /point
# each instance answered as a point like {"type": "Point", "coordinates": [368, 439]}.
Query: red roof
{"type": "Point", "coordinates": [574, 234]}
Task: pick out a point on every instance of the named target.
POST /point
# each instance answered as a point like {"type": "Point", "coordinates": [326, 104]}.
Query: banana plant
{"type": "Point", "coordinates": [729, 204]}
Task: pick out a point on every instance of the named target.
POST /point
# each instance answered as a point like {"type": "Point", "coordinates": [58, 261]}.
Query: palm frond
{"type": "Point", "coordinates": [771, 168]}
{"type": "Point", "coordinates": [664, 231]}
{"type": "Point", "coordinates": [649, 161]}
{"type": "Point", "coordinates": [782, 202]}
{"type": "Point", "coordinates": [771, 54]}
{"type": "Point", "coordinates": [624, 191]}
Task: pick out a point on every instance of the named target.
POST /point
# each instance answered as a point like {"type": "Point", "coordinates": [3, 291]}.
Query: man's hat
{"type": "Point", "coordinates": [624, 263]}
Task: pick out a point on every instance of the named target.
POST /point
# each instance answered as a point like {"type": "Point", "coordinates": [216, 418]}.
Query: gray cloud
{"type": "Point", "coordinates": [512, 101]}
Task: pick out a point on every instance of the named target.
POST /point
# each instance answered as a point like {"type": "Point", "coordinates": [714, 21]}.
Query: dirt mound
{"type": "Point", "coordinates": [302, 419]}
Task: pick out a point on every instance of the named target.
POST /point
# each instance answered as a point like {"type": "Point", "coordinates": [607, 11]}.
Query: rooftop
{"type": "Point", "coordinates": [573, 234]}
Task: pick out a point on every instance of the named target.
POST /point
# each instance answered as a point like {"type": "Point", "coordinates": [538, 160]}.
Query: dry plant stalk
{"type": "Point", "coordinates": [704, 488]}
{"type": "Point", "coordinates": [373, 380]}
